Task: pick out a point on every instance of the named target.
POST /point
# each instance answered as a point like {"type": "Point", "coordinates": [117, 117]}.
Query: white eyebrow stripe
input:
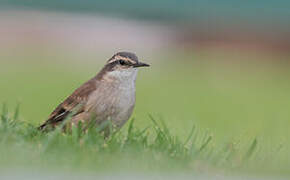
{"type": "Point", "coordinates": [116, 58]}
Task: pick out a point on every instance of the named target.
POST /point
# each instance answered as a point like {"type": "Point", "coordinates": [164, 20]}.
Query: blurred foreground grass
{"type": "Point", "coordinates": [231, 101]}
{"type": "Point", "coordinates": [23, 146]}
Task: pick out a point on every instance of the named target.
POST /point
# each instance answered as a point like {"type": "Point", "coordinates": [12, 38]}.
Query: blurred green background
{"type": "Point", "coordinates": [223, 66]}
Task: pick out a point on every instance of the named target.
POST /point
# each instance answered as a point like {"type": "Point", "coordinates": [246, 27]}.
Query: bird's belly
{"type": "Point", "coordinates": [116, 107]}
{"type": "Point", "coordinates": [122, 109]}
{"type": "Point", "coordinates": [121, 116]}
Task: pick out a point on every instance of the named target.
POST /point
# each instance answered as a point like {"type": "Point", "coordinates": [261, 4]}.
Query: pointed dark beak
{"type": "Point", "coordinates": [140, 64]}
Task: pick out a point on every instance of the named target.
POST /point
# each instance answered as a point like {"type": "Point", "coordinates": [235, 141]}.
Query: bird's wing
{"type": "Point", "coordinates": [73, 105]}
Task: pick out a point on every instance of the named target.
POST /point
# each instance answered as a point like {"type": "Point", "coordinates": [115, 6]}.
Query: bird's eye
{"type": "Point", "coordinates": [122, 62]}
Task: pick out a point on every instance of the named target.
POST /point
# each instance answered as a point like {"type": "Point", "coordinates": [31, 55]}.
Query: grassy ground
{"type": "Point", "coordinates": [203, 113]}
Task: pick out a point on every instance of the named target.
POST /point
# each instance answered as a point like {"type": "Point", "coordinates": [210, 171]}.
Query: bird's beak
{"type": "Point", "coordinates": [140, 64]}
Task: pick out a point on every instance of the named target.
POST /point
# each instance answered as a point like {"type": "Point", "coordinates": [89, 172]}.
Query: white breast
{"type": "Point", "coordinates": [118, 98]}
{"type": "Point", "coordinates": [125, 87]}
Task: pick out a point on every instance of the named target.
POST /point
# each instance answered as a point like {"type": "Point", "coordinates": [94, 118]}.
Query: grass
{"type": "Point", "coordinates": [138, 149]}
{"type": "Point", "coordinates": [207, 115]}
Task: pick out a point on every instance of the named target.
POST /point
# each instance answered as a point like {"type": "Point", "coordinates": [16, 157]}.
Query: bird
{"type": "Point", "coordinates": [108, 96]}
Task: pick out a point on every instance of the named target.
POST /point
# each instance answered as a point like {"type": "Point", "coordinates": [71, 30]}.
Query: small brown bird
{"type": "Point", "coordinates": [110, 95]}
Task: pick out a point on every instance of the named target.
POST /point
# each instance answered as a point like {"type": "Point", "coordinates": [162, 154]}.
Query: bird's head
{"type": "Point", "coordinates": [122, 65]}
{"type": "Point", "coordinates": [124, 60]}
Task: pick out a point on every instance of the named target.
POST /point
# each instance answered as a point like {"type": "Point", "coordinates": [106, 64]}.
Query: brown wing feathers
{"type": "Point", "coordinates": [74, 102]}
